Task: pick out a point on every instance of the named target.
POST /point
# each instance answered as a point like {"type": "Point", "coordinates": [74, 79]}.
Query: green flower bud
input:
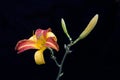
{"type": "Point", "coordinates": [88, 29]}
{"type": "Point", "coordinates": [64, 28]}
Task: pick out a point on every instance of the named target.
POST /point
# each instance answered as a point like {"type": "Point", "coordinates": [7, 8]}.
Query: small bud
{"type": "Point", "coordinates": [64, 28]}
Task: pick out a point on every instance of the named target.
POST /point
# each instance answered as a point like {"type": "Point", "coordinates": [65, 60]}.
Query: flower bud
{"type": "Point", "coordinates": [88, 29]}
{"type": "Point", "coordinates": [64, 28]}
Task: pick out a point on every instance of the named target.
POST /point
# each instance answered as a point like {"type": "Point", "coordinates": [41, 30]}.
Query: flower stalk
{"type": "Point", "coordinates": [60, 66]}
{"type": "Point", "coordinates": [54, 57]}
{"type": "Point", "coordinates": [67, 47]}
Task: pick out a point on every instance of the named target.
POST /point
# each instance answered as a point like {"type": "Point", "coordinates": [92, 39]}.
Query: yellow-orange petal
{"type": "Point", "coordinates": [24, 45]}
{"type": "Point", "coordinates": [39, 58]}
{"type": "Point", "coordinates": [50, 42]}
{"type": "Point", "coordinates": [33, 38]}
{"type": "Point", "coordinates": [51, 34]}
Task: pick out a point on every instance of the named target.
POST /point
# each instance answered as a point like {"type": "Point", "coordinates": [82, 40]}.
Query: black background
{"type": "Point", "coordinates": [95, 57]}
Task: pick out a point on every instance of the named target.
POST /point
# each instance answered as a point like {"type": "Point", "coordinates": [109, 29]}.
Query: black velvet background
{"type": "Point", "coordinates": [95, 57]}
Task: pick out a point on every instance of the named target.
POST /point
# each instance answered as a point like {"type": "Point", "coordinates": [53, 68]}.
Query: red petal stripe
{"type": "Point", "coordinates": [25, 48]}
{"type": "Point", "coordinates": [52, 43]}
{"type": "Point", "coordinates": [25, 45]}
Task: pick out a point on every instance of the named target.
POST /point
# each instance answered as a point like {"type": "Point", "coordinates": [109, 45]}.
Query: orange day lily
{"type": "Point", "coordinates": [41, 40]}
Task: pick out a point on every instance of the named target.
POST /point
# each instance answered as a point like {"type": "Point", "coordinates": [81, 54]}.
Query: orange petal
{"type": "Point", "coordinates": [24, 45]}
{"type": "Point", "coordinates": [25, 48]}
{"type": "Point", "coordinates": [52, 43]}
{"type": "Point", "coordinates": [40, 32]}
{"type": "Point", "coordinates": [39, 58]}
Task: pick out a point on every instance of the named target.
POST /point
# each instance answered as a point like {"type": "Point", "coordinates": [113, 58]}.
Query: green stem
{"type": "Point", "coordinates": [60, 66]}
{"type": "Point", "coordinates": [53, 57]}
{"type": "Point", "coordinates": [60, 73]}
{"type": "Point", "coordinates": [74, 42]}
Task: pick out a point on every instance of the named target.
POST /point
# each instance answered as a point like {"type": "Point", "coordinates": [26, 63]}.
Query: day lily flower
{"type": "Point", "coordinates": [41, 40]}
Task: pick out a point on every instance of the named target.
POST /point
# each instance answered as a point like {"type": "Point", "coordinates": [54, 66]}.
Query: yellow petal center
{"type": "Point", "coordinates": [39, 42]}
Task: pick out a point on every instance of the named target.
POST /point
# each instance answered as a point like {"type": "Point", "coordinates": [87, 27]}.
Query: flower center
{"type": "Point", "coordinates": [41, 42]}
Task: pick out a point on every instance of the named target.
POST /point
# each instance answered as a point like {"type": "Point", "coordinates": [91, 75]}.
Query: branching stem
{"type": "Point", "coordinates": [53, 57]}
{"type": "Point", "coordinates": [60, 66]}
{"type": "Point", "coordinates": [67, 48]}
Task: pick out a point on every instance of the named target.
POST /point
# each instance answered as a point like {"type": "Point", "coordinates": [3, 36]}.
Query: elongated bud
{"type": "Point", "coordinates": [64, 28]}
{"type": "Point", "coordinates": [88, 29]}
